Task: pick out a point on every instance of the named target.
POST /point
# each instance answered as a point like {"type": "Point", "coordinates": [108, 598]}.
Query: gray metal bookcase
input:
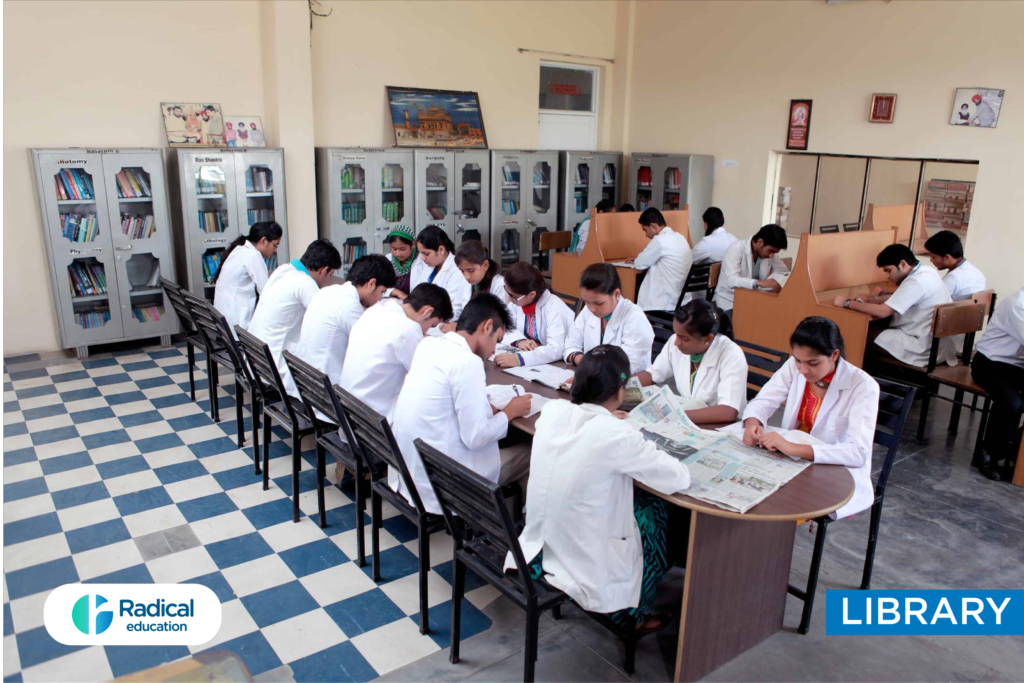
{"type": "Point", "coordinates": [585, 179]}
{"type": "Point", "coordinates": [361, 194]}
{"type": "Point", "coordinates": [523, 203]}
{"type": "Point", "coordinates": [223, 192]}
{"type": "Point", "coordinates": [106, 251]}
{"type": "Point", "coordinates": [668, 181]}
{"type": "Point", "coordinates": [453, 192]}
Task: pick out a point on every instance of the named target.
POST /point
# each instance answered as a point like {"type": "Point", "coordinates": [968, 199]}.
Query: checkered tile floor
{"type": "Point", "coordinates": [112, 474]}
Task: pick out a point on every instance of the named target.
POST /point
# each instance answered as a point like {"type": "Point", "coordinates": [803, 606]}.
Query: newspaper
{"type": "Point", "coordinates": [735, 432]}
{"type": "Point", "coordinates": [660, 406]}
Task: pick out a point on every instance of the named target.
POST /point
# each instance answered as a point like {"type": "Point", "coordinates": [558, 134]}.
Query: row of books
{"type": "Point", "coordinates": [78, 228]}
{"type": "Point", "coordinates": [139, 227]}
{"type": "Point", "coordinates": [608, 176]}
{"type": "Point", "coordinates": [210, 186]}
{"type": "Point", "coordinates": [353, 213]}
{"type": "Point", "coordinates": [540, 175]}
{"type": "Point", "coordinates": [947, 204]}
{"type": "Point", "coordinates": [93, 319]}
{"type": "Point", "coordinates": [510, 243]}
{"type": "Point", "coordinates": [643, 176]}
{"type": "Point", "coordinates": [509, 207]}
{"type": "Point", "coordinates": [391, 211]}
{"type": "Point", "coordinates": [131, 183]}
{"type": "Point", "coordinates": [436, 178]}
{"type": "Point", "coordinates": [643, 203]}
{"type": "Point", "coordinates": [352, 178]}
{"type": "Point", "coordinates": [87, 279]}
{"type": "Point", "coordinates": [74, 183]}
{"type": "Point", "coordinates": [437, 212]}
{"type": "Point", "coordinates": [259, 179]}
{"type": "Point", "coordinates": [148, 314]}
{"type": "Point", "coordinates": [213, 221]}
{"type": "Point", "coordinates": [352, 250]}
{"type": "Point", "coordinates": [581, 202]}
{"type": "Point", "coordinates": [510, 175]}
{"type": "Point", "coordinates": [391, 176]}
{"type": "Point", "coordinates": [582, 174]}
{"type": "Point", "coordinates": [211, 264]}
{"type": "Point", "coordinates": [673, 179]}
{"type": "Point", "coordinates": [255, 216]}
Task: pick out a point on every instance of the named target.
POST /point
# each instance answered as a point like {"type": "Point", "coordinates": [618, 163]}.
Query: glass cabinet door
{"type": "Point", "coordinates": [470, 202]}
{"type": "Point", "coordinates": [581, 188]}
{"type": "Point", "coordinates": [541, 213]}
{"type": "Point", "coordinates": [609, 175]}
{"type": "Point", "coordinates": [211, 216]}
{"type": "Point", "coordinates": [673, 187]}
{"type": "Point", "coordinates": [644, 187]}
{"type": "Point", "coordinates": [261, 193]}
{"type": "Point", "coordinates": [510, 189]}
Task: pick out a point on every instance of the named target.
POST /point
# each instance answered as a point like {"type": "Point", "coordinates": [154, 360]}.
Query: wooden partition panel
{"type": "Point", "coordinates": [845, 259]}
{"type": "Point", "coordinates": [899, 216]}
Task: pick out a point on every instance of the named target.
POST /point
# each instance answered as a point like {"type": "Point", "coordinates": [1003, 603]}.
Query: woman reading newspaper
{"type": "Point", "coordinates": [826, 397]}
{"type": "Point", "coordinates": [586, 531]}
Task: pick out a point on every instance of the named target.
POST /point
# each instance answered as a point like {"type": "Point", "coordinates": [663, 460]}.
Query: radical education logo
{"type": "Point", "coordinates": [132, 614]}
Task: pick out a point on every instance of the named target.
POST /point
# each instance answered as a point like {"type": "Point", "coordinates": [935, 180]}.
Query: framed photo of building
{"type": "Point", "coordinates": [799, 124]}
{"type": "Point", "coordinates": [191, 124]}
{"type": "Point", "coordinates": [883, 108]}
{"type": "Point", "coordinates": [978, 107]}
{"type": "Point", "coordinates": [436, 118]}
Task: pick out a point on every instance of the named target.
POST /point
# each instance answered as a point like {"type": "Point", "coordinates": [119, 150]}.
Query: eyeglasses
{"type": "Point", "coordinates": [516, 299]}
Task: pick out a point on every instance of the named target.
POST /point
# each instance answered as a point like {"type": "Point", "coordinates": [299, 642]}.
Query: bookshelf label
{"type": "Point", "coordinates": [353, 157]}
{"type": "Point", "coordinates": [71, 162]}
{"type": "Point", "coordinates": [642, 161]}
{"type": "Point", "coordinates": [659, 156]}
{"type": "Point", "coordinates": [102, 151]}
{"type": "Point", "coordinates": [510, 157]}
{"type": "Point", "coordinates": [209, 160]}
{"type": "Point", "coordinates": [510, 222]}
{"type": "Point", "coordinates": [215, 240]}
{"type": "Point", "coordinates": [375, 149]}
{"type": "Point", "coordinates": [86, 250]}
{"type": "Point", "coordinates": [586, 158]}
{"type": "Point", "coordinates": [438, 158]}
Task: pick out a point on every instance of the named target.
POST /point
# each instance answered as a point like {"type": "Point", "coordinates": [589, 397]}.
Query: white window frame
{"type": "Point", "coordinates": [595, 99]}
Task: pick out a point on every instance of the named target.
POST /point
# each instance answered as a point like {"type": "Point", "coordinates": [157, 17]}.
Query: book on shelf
{"type": "Point", "coordinates": [391, 211]}
{"type": "Point", "coordinates": [643, 176]}
{"type": "Point", "coordinates": [608, 175]}
{"type": "Point", "coordinates": [350, 180]}
{"type": "Point", "coordinates": [353, 213]}
{"type": "Point", "coordinates": [352, 249]}
{"type": "Point", "coordinates": [644, 203]}
{"type": "Point", "coordinates": [131, 184]}
{"type": "Point", "coordinates": [509, 206]}
{"type": "Point", "coordinates": [391, 177]}
{"type": "Point", "coordinates": [207, 186]}
{"type": "Point", "coordinates": [437, 212]}
{"type": "Point", "coordinates": [211, 264]}
{"type": "Point", "coordinates": [213, 221]}
{"type": "Point", "coordinates": [540, 176]}
{"type": "Point", "coordinates": [93, 319]}
{"type": "Point", "coordinates": [87, 279]}
{"type": "Point", "coordinates": [510, 242]}
{"type": "Point", "coordinates": [436, 178]}
{"type": "Point", "coordinates": [154, 275]}
{"type": "Point", "coordinates": [581, 202]}
{"type": "Point", "coordinates": [255, 216]}
{"type": "Point", "coordinates": [78, 228]}
{"type": "Point", "coordinates": [148, 314]}
{"type": "Point", "coordinates": [673, 179]}
{"type": "Point", "coordinates": [74, 183]}
{"type": "Point", "coordinates": [582, 174]}
{"type": "Point", "coordinates": [510, 175]}
{"type": "Point", "coordinates": [259, 179]}
{"type": "Point", "coordinates": [138, 227]}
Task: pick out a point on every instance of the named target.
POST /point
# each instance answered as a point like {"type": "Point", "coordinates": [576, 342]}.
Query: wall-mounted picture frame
{"type": "Point", "coordinates": [977, 107]}
{"type": "Point", "coordinates": [436, 118]}
{"type": "Point", "coordinates": [243, 131]}
{"type": "Point", "coordinates": [883, 108]}
{"type": "Point", "coordinates": [192, 124]}
{"type": "Point", "coordinates": [799, 133]}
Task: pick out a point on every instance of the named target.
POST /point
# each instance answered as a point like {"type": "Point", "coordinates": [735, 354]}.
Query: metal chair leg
{"type": "Point", "coordinates": [812, 577]}
{"type": "Point", "coordinates": [256, 411]}
{"type": "Point", "coordinates": [869, 556]}
{"type": "Point", "coordinates": [532, 635]}
{"type": "Point", "coordinates": [629, 665]}
{"type": "Point", "coordinates": [556, 612]}
{"type": "Point", "coordinates": [211, 383]}
{"type": "Point", "coordinates": [375, 524]}
{"type": "Point", "coordinates": [925, 400]}
{"type": "Point", "coordinates": [458, 590]}
{"type": "Point", "coordinates": [266, 452]}
{"type": "Point", "coordinates": [296, 466]}
{"type": "Point", "coordinates": [424, 561]}
{"type": "Point", "coordinates": [954, 416]}
{"type": "Point", "coordinates": [981, 429]}
{"type": "Point", "coordinates": [239, 417]}
{"type": "Point", "coordinates": [321, 474]}
{"type": "Point", "coordinates": [191, 351]}
{"type": "Point", "coordinates": [360, 487]}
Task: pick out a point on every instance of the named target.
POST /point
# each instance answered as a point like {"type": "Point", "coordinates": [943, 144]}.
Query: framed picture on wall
{"type": "Point", "coordinates": [977, 107]}
{"type": "Point", "coordinates": [883, 108]}
{"type": "Point", "coordinates": [243, 131]}
{"type": "Point", "coordinates": [436, 118]}
{"type": "Point", "coordinates": [799, 124]}
{"type": "Point", "coordinates": [190, 124]}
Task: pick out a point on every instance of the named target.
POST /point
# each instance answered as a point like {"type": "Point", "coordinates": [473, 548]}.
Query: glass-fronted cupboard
{"type": "Point", "coordinates": [524, 194]}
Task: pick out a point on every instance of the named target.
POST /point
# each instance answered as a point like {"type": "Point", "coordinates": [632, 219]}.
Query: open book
{"type": "Point", "coordinates": [548, 375]}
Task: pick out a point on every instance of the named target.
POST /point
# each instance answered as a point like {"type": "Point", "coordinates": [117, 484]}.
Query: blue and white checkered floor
{"type": "Point", "coordinates": [111, 474]}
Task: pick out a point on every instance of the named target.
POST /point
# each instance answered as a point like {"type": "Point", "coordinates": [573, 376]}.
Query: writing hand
{"type": "Point", "coordinates": [506, 360]}
{"type": "Point", "coordinates": [770, 284]}
{"type": "Point", "coordinates": [518, 407]}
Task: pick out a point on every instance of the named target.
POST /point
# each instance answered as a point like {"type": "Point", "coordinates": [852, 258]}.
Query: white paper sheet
{"type": "Point", "coordinates": [549, 375]}
{"type": "Point", "coordinates": [500, 395]}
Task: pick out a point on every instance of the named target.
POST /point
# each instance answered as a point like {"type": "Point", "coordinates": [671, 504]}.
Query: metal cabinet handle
{"type": "Point", "coordinates": [124, 247]}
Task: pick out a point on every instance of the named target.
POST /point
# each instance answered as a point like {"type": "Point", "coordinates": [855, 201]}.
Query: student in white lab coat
{"type": "Point", "coordinates": [946, 252]}
{"type": "Point", "coordinates": [919, 290]}
{"type": "Point", "coordinates": [832, 400]}
{"type": "Point", "coordinates": [587, 531]}
{"type": "Point", "coordinates": [582, 231]}
{"type": "Point", "coordinates": [998, 368]}
{"type": "Point", "coordinates": [540, 320]}
{"type": "Point", "coordinates": [609, 318]}
{"type": "Point", "coordinates": [752, 264]}
{"type": "Point", "coordinates": [244, 273]}
{"type": "Point", "coordinates": [383, 341]}
{"type": "Point", "coordinates": [481, 272]}
{"type": "Point", "coordinates": [667, 260]}
{"type": "Point", "coordinates": [329, 318]}
{"type": "Point", "coordinates": [444, 402]}
{"type": "Point", "coordinates": [436, 265]}
{"type": "Point", "coordinates": [703, 363]}
{"type": "Point", "coordinates": [278, 317]}
{"type": "Point", "coordinates": [716, 238]}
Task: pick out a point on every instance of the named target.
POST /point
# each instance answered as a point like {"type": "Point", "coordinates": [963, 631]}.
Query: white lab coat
{"type": "Point", "coordinates": [712, 247]}
{"type": "Point", "coordinates": [329, 318]}
{"type": "Point", "coordinates": [845, 422]}
{"type": "Point", "coordinates": [963, 281]}
{"type": "Point", "coordinates": [380, 350]}
{"type": "Point", "coordinates": [581, 235]}
{"type": "Point", "coordinates": [909, 336]}
{"type": "Point", "coordinates": [1003, 340]}
{"type": "Point", "coordinates": [721, 378]}
{"type": "Point", "coordinates": [738, 272]}
{"type": "Point", "coordinates": [628, 328]}
{"type": "Point", "coordinates": [242, 276]}
{"type": "Point", "coordinates": [449, 277]}
{"type": "Point", "coordinates": [444, 402]}
{"type": "Point", "coordinates": [554, 319]}
{"type": "Point", "coordinates": [498, 288]}
{"type": "Point", "coordinates": [278, 317]}
{"type": "Point", "coordinates": [667, 260]}
{"type": "Point", "coordinates": [579, 503]}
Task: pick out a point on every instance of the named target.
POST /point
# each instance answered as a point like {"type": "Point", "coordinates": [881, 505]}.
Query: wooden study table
{"type": "Point", "coordinates": [827, 265]}
{"type": "Point", "coordinates": [612, 237]}
{"type": "Point", "coordinates": [734, 594]}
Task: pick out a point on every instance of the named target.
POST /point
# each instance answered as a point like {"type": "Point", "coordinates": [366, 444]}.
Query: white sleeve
{"type": "Point", "coordinates": [307, 291]}
{"type": "Point", "coordinates": [730, 274]}
{"type": "Point", "coordinates": [661, 369]}
{"type": "Point", "coordinates": [513, 334]}
{"type": "Point", "coordinates": [856, 444]}
{"type": "Point", "coordinates": [702, 252]}
{"type": "Point", "coordinates": [1015, 322]}
{"type": "Point", "coordinates": [574, 339]}
{"type": "Point", "coordinates": [258, 272]}
{"type": "Point", "coordinates": [637, 340]}
{"type": "Point", "coordinates": [906, 295]}
{"type": "Point", "coordinates": [773, 394]}
{"type": "Point", "coordinates": [406, 348]}
{"type": "Point", "coordinates": [779, 268]}
{"type": "Point", "coordinates": [645, 463]}
{"type": "Point", "coordinates": [478, 426]}
{"type": "Point", "coordinates": [460, 295]}
{"type": "Point", "coordinates": [555, 333]}
{"type": "Point", "coordinates": [650, 255]}
{"type": "Point", "coordinates": [732, 380]}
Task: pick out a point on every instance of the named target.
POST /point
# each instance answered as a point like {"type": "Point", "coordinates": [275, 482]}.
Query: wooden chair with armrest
{"type": "Point", "coordinates": [762, 363]}
{"type": "Point", "coordinates": [554, 241]}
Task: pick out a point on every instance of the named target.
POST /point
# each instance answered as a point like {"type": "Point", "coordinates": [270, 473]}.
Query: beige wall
{"type": "Point", "coordinates": [737, 65]}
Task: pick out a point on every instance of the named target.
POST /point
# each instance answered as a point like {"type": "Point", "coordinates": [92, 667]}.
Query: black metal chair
{"type": "Point", "coordinates": [323, 410]}
{"type": "Point", "coordinates": [369, 433]}
{"type": "Point", "coordinates": [762, 363]}
{"type": "Point", "coordinates": [202, 316]}
{"type": "Point", "coordinates": [661, 321]}
{"type": "Point", "coordinates": [243, 385]}
{"type": "Point", "coordinates": [851, 227]}
{"type": "Point", "coordinates": [828, 229]}
{"type": "Point", "coordinates": [894, 402]}
{"type": "Point", "coordinates": [703, 277]}
{"type": "Point", "coordinates": [278, 406]}
{"type": "Point", "coordinates": [192, 337]}
{"type": "Point", "coordinates": [573, 302]}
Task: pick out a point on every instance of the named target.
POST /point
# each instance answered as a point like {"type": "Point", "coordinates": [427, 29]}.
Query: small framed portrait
{"type": "Point", "coordinates": [978, 107]}
{"type": "Point", "coordinates": [243, 131]}
{"type": "Point", "coordinates": [799, 124]}
{"type": "Point", "coordinates": [883, 108]}
{"type": "Point", "coordinates": [191, 124]}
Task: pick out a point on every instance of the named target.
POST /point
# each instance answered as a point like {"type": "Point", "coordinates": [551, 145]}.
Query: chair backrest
{"type": "Point", "coordinates": [313, 391]}
{"type": "Point", "coordinates": [828, 229]}
{"type": "Point", "coordinates": [661, 321]}
{"type": "Point", "coordinates": [948, 320]}
{"type": "Point", "coordinates": [370, 431]}
{"type": "Point", "coordinates": [988, 297]}
{"type": "Point", "coordinates": [202, 316]}
{"type": "Point", "coordinates": [762, 363]}
{"type": "Point", "coordinates": [264, 370]}
{"type": "Point", "coordinates": [894, 403]}
{"type": "Point", "coordinates": [573, 302]}
{"type": "Point", "coordinates": [178, 304]}
{"type": "Point", "coordinates": [231, 346]}
{"type": "Point", "coordinates": [851, 227]}
{"type": "Point", "coordinates": [555, 240]}
{"type": "Point", "coordinates": [468, 499]}
{"type": "Point", "coordinates": [716, 268]}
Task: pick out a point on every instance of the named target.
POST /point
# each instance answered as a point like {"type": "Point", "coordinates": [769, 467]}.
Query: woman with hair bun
{"type": "Point", "coordinates": [245, 273]}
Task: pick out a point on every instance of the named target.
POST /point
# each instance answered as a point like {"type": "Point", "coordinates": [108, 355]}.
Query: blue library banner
{"type": "Point", "coordinates": [924, 612]}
